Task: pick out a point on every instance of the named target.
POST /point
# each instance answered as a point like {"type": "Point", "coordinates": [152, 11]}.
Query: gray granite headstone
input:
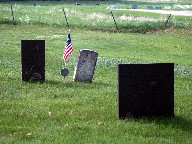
{"type": "Point", "coordinates": [85, 65]}
{"type": "Point", "coordinates": [150, 7]}
{"type": "Point", "coordinates": [134, 6]}
{"type": "Point", "coordinates": [157, 7]}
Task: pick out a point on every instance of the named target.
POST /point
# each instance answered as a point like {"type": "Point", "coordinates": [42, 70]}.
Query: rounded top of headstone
{"type": "Point", "coordinates": [134, 6]}
{"type": "Point", "coordinates": [64, 72]}
{"type": "Point", "coordinates": [112, 7]}
{"type": "Point", "coordinates": [87, 50]}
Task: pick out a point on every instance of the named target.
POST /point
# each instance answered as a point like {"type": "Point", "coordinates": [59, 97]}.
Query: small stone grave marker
{"type": "Point", "coordinates": [157, 8]}
{"type": "Point", "coordinates": [145, 90]}
{"type": "Point", "coordinates": [134, 6]}
{"type": "Point", "coordinates": [150, 7]}
{"type": "Point", "coordinates": [33, 60]}
{"type": "Point", "coordinates": [85, 65]}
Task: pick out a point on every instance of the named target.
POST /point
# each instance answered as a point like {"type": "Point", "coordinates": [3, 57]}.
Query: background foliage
{"type": "Point", "coordinates": [93, 16]}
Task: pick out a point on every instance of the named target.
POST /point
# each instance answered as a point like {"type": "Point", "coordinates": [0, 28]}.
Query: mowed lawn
{"type": "Point", "coordinates": [62, 111]}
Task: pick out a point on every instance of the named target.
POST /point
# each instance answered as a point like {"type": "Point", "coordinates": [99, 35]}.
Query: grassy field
{"type": "Point", "coordinates": [62, 111]}
{"type": "Point", "coordinates": [91, 16]}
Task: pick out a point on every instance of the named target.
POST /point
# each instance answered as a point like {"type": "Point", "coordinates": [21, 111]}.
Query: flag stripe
{"type": "Point", "coordinates": [68, 48]}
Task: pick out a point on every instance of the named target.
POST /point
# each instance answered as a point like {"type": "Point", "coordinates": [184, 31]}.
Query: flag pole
{"type": "Point", "coordinates": [64, 66]}
{"type": "Point", "coordinates": [68, 29]}
{"type": "Point", "coordinates": [64, 63]}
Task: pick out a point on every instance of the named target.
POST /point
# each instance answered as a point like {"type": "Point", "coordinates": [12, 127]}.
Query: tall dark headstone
{"type": "Point", "coordinates": [33, 60]}
{"type": "Point", "coordinates": [145, 90]}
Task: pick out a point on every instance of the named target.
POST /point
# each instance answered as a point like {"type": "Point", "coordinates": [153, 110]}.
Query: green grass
{"type": "Point", "coordinates": [62, 111]}
{"type": "Point", "coordinates": [90, 16]}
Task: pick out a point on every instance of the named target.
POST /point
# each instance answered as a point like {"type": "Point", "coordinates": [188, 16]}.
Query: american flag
{"type": "Point", "coordinates": [68, 48]}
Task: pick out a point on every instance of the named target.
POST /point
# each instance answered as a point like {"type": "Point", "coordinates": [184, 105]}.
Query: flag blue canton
{"type": "Point", "coordinates": [68, 48]}
{"type": "Point", "coordinates": [68, 39]}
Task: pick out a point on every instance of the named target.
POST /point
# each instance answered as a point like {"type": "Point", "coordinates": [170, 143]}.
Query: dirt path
{"type": "Point", "coordinates": [176, 13]}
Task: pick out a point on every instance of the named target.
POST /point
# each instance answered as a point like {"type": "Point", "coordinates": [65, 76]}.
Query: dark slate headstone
{"type": "Point", "coordinates": [33, 60]}
{"type": "Point", "coordinates": [145, 90]}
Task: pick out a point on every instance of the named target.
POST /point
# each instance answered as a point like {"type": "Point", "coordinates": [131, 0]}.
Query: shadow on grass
{"type": "Point", "coordinates": [176, 122]}
{"type": "Point", "coordinates": [182, 123]}
{"type": "Point", "coordinates": [77, 84]}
